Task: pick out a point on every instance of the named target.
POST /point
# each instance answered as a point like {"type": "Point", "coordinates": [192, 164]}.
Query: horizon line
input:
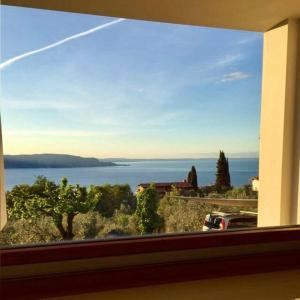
{"type": "Point", "coordinates": [202, 156]}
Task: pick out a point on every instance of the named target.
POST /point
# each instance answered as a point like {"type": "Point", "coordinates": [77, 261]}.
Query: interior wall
{"type": "Point", "coordinates": [275, 286]}
{"type": "Point", "coordinates": [3, 214]}
{"type": "Point", "coordinates": [296, 192]}
{"type": "Point", "coordinates": [278, 167]}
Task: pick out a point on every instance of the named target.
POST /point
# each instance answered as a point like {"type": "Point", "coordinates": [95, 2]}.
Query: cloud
{"type": "Point", "coordinates": [10, 61]}
{"type": "Point", "coordinates": [234, 76]}
{"type": "Point", "coordinates": [228, 59]}
{"type": "Point", "coordinates": [248, 40]}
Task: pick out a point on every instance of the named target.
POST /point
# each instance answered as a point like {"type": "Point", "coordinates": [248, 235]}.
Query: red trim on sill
{"type": "Point", "coordinates": [88, 282]}
{"type": "Point", "coordinates": [104, 248]}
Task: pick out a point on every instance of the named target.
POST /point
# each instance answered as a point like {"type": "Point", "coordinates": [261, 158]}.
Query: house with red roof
{"type": "Point", "coordinates": [164, 187]}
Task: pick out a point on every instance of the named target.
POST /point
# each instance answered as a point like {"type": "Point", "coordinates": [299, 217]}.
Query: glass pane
{"type": "Point", "coordinates": [115, 127]}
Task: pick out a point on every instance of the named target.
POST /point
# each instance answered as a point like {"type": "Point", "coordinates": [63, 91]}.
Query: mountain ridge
{"type": "Point", "coordinates": [47, 160]}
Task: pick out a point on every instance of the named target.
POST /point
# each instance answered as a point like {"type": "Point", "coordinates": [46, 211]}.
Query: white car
{"type": "Point", "coordinates": [223, 221]}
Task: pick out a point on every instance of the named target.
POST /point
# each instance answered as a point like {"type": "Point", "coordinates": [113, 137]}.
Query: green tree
{"type": "Point", "coordinates": [223, 183]}
{"type": "Point", "coordinates": [146, 211]}
{"type": "Point", "coordinates": [45, 198]}
{"type": "Point", "coordinates": [192, 178]}
{"type": "Point", "coordinates": [182, 215]}
{"type": "Point", "coordinates": [113, 196]}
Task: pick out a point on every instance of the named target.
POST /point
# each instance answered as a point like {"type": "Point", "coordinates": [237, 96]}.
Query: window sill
{"type": "Point", "coordinates": [94, 266]}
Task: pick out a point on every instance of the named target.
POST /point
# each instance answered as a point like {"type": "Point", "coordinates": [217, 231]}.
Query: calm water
{"type": "Point", "coordinates": [241, 170]}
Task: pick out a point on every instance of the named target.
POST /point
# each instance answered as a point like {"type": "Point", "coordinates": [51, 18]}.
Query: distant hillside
{"type": "Point", "coordinates": [52, 161]}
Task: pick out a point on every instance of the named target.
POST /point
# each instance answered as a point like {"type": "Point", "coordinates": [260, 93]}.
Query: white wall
{"type": "Point", "coordinates": [279, 165]}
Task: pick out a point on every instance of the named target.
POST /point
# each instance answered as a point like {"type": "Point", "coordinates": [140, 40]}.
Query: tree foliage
{"type": "Point", "coordinates": [29, 231]}
{"type": "Point", "coordinates": [113, 197]}
{"type": "Point", "coordinates": [223, 182]}
{"type": "Point", "coordinates": [146, 211]}
{"type": "Point", "coordinates": [243, 192]}
{"type": "Point", "coordinates": [192, 178]}
{"type": "Point", "coordinates": [181, 215]}
{"type": "Point", "coordinates": [45, 198]}
{"type": "Point", "coordinates": [39, 213]}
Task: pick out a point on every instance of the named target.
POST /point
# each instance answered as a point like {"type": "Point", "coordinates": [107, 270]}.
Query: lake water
{"type": "Point", "coordinates": [241, 171]}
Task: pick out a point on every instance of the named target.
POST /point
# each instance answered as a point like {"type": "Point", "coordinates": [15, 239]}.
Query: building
{"type": "Point", "coordinates": [164, 187]}
{"type": "Point", "coordinates": [255, 184]}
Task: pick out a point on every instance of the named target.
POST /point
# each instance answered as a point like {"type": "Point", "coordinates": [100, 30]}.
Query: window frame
{"type": "Point", "coordinates": [147, 274]}
{"type": "Point", "coordinates": [142, 274]}
{"type": "Point", "coordinates": [40, 253]}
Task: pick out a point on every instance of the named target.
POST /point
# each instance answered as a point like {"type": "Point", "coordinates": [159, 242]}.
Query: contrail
{"type": "Point", "coordinates": [10, 61]}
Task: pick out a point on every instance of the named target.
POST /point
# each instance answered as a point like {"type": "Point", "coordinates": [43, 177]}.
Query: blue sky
{"type": "Point", "coordinates": [133, 89]}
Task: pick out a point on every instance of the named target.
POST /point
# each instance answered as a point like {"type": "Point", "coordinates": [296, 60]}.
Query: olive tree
{"type": "Point", "coordinates": [45, 198]}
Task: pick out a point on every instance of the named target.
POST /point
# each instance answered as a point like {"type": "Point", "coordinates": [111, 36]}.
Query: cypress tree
{"type": "Point", "coordinates": [223, 182]}
{"type": "Point", "coordinates": [227, 175]}
{"type": "Point", "coordinates": [192, 178]}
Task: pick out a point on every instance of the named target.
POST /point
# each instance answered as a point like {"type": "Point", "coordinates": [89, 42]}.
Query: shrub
{"type": "Point", "coordinates": [41, 230]}
{"type": "Point", "coordinates": [244, 192]}
{"type": "Point", "coordinates": [88, 226]}
{"type": "Point", "coordinates": [120, 224]}
{"type": "Point", "coordinates": [206, 190]}
{"type": "Point", "coordinates": [182, 215]}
